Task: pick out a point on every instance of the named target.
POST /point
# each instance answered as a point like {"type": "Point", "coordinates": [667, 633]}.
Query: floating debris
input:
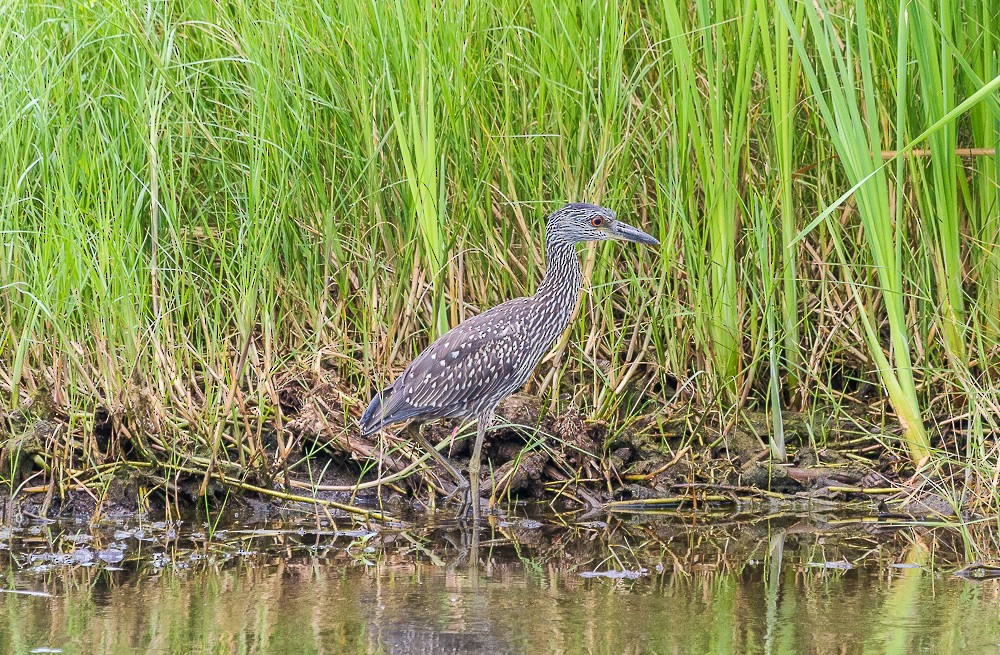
{"type": "Point", "coordinates": [616, 575]}
{"type": "Point", "coordinates": [83, 556]}
{"type": "Point", "coordinates": [597, 525]}
{"type": "Point", "coordinates": [26, 592]}
{"type": "Point", "coordinates": [979, 571]}
{"type": "Point", "coordinates": [111, 555]}
{"type": "Point", "coordinates": [838, 566]}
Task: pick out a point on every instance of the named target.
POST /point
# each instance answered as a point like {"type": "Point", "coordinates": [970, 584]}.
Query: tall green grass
{"type": "Point", "coordinates": [836, 79]}
{"type": "Point", "coordinates": [201, 202]}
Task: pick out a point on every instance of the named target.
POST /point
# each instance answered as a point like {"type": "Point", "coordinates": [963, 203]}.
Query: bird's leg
{"type": "Point", "coordinates": [463, 484]}
{"type": "Point", "coordinates": [474, 464]}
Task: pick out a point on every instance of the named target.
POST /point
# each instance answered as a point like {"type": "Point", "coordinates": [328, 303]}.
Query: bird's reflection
{"type": "Point", "coordinates": [458, 622]}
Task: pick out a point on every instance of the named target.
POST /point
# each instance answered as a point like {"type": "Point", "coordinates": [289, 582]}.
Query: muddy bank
{"type": "Point", "coordinates": [310, 454]}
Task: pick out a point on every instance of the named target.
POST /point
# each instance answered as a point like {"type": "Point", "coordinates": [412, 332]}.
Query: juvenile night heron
{"type": "Point", "coordinates": [467, 371]}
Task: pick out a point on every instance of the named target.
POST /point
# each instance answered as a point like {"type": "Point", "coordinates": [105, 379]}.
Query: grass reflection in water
{"type": "Point", "coordinates": [636, 584]}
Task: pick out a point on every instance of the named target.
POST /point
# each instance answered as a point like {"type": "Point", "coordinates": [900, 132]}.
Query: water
{"type": "Point", "coordinates": [670, 583]}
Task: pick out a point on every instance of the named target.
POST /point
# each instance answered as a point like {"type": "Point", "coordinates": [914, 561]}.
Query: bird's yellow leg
{"type": "Point", "coordinates": [474, 464]}
{"type": "Point", "coordinates": [460, 480]}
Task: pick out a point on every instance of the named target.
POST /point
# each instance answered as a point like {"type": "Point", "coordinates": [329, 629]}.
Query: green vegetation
{"type": "Point", "coordinates": [204, 205]}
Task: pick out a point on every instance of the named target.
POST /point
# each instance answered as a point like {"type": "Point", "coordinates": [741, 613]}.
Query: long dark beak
{"type": "Point", "coordinates": [629, 233]}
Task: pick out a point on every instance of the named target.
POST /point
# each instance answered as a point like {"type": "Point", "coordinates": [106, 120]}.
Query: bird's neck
{"type": "Point", "coordinates": [563, 277]}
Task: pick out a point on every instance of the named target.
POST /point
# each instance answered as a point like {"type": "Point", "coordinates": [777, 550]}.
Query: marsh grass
{"type": "Point", "coordinates": [204, 207]}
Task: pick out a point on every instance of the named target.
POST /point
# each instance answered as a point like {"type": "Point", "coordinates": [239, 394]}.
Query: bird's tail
{"type": "Point", "coordinates": [385, 408]}
{"type": "Point", "coordinates": [374, 417]}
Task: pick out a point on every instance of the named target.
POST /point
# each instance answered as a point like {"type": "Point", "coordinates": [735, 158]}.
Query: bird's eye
{"type": "Point", "coordinates": [597, 221]}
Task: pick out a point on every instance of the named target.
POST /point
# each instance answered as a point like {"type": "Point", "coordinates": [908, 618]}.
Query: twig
{"type": "Point", "coordinates": [872, 491]}
{"type": "Point", "coordinates": [642, 478]}
{"type": "Point", "coordinates": [653, 503]}
{"type": "Point", "coordinates": [350, 509]}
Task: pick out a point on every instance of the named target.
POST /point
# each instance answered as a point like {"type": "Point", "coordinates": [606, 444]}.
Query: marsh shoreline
{"type": "Point", "coordinates": [675, 457]}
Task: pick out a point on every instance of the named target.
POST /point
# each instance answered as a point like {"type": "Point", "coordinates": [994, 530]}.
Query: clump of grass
{"type": "Point", "coordinates": [203, 207]}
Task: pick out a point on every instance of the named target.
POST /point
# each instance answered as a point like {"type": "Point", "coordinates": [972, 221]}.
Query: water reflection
{"type": "Point", "coordinates": [675, 583]}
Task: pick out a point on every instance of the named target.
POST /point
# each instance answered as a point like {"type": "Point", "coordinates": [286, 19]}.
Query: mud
{"type": "Point", "coordinates": [674, 456]}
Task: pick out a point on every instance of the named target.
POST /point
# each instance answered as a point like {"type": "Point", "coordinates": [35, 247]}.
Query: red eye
{"type": "Point", "coordinates": [597, 221]}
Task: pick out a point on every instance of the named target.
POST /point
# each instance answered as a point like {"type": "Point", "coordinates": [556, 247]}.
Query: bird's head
{"type": "Point", "coordinates": [579, 221]}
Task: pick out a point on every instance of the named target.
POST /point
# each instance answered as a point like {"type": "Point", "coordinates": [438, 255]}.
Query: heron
{"type": "Point", "coordinates": [469, 369]}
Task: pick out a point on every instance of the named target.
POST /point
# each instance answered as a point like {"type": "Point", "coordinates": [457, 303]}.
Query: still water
{"type": "Point", "coordinates": [534, 583]}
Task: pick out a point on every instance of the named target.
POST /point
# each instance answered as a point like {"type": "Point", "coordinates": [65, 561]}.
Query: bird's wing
{"type": "Point", "coordinates": [471, 362]}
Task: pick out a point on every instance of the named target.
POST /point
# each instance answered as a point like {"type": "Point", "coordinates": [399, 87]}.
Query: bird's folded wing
{"type": "Point", "coordinates": [464, 367]}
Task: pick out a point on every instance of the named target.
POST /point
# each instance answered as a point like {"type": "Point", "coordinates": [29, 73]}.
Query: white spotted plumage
{"type": "Point", "coordinates": [471, 368]}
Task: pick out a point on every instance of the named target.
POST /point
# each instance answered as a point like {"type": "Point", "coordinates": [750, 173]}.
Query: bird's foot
{"type": "Point", "coordinates": [465, 505]}
{"type": "Point", "coordinates": [465, 509]}
{"type": "Point", "coordinates": [461, 488]}
{"type": "Point", "coordinates": [464, 491]}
